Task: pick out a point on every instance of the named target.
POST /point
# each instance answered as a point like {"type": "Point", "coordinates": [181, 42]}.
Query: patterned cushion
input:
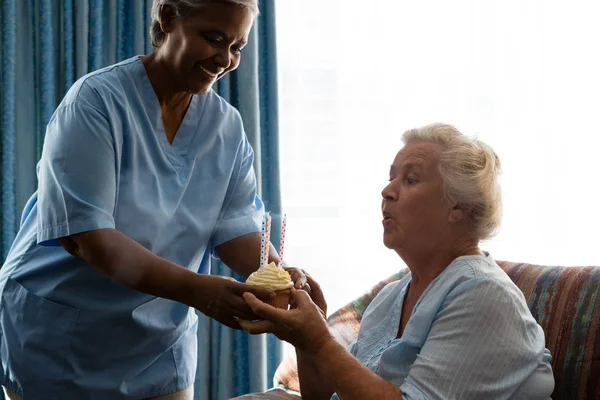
{"type": "Point", "coordinates": [564, 300]}
{"type": "Point", "coordinates": [566, 303]}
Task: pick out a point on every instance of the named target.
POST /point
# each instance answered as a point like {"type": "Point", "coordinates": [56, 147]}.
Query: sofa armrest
{"type": "Point", "coordinates": [274, 394]}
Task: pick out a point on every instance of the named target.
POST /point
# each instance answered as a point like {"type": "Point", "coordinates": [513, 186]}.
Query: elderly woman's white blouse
{"type": "Point", "coordinates": [470, 336]}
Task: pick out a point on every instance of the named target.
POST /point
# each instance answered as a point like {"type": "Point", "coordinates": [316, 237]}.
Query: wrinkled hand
{"type": "Point", "coordinates": [304, 281]}
{"type": "Point", "coordinates": [299, 277]}
{"type": "Point", "coordinates": [316, 294]}
{"type": "Point", "coordinates": [221, 299]}
{"type": "Point", "coordinates": [304, 326]}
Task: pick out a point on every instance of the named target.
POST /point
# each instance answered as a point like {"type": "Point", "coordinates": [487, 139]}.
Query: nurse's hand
{"type": "Point", "coordinates": [221, 299]}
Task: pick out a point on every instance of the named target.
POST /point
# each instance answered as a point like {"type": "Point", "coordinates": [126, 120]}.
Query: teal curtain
{"type": "Point", "coordinates": [46, 46]}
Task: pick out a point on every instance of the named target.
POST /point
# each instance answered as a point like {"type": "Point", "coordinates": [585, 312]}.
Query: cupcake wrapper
{"type": "Point", "coordinates": [281, 300]}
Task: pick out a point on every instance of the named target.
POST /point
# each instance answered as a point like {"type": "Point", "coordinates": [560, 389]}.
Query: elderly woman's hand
{"type": "Point", "coordinates": [299, 277]}
{"type": "Point", "coordinates": [316, 294]}
{"type": "Point", "coordinates": [303, 280]}
{"type": "Point", "coordinates": [304, 326]}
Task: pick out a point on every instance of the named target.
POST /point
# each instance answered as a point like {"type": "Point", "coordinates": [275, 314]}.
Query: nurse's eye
{"type": "Point", "coordinates": [214, 40]}
{"type": "Point", "coordinates": [237, 49]}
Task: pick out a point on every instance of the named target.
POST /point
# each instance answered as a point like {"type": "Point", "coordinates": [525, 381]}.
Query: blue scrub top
{"type": "Point", "coordinates": [69, 332]}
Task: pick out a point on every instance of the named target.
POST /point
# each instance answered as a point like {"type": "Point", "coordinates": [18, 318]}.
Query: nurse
{"type": "Point", "coordinates": [145, 173]}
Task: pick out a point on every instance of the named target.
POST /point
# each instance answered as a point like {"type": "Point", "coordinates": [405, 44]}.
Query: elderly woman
{"type": "Point", "coordinates": [456, 327]}
{"type": "Point", "coordinates": [145, 172]}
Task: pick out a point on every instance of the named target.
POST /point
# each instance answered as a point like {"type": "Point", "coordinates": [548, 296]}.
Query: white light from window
{"type": "Point", "coordinates": [522, 75]}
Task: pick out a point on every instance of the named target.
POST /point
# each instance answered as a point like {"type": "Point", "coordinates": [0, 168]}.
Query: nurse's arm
{"type": "Point", "coordinates": [242, 254]}
{"type": "Point", "coordinates": [129, 263]}
{"type": "Point", "coordinates": [126, 261]}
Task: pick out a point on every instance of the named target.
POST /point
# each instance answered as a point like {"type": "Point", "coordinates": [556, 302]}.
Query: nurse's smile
{"type": "Point", "coordinates": [209, 75]}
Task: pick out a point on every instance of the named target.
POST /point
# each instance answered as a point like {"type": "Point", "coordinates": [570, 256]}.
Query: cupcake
{"type": "Point", "coordinates": [277, 279]}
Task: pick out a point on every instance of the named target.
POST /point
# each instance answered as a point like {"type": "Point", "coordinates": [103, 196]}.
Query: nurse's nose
{"type": "Point", "coordinates": [223, 58]}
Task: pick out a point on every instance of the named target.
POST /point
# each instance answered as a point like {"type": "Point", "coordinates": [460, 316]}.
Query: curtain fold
{"type": "Point", "coordinates": [8, 103]}
{"type": "Point", "coordinates": [46, 46]}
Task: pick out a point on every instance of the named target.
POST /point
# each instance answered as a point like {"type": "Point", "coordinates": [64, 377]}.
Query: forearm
{"type": "Point", "coordinates": [242, 254]}
{"type": "Point", "coordinates": [129, 263]}
{"type": "Point", "coordinates": [350, 378]}
{"type": "Point", "coordinates": [312, 385]}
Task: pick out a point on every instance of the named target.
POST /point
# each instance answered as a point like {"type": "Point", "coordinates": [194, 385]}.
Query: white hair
{"type": "Point", "coordinates": [184, 7]}
{"type": "Point", "coordinates": [470, 170]}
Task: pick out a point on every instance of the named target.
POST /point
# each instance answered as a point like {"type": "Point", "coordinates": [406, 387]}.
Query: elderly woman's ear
{"type": "Point", "coordinates": [459, 213]}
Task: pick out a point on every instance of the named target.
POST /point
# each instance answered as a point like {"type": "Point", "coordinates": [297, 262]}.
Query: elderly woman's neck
{"type": "Point", "coordinates": [425, 266]}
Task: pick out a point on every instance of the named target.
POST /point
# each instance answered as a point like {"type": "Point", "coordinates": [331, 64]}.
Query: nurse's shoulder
{"type": "Point", "coordinates": [103, 87]}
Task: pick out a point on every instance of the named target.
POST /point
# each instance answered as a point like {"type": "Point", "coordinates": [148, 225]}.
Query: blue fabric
{"type": "Point", "coordinates": [8, 123]}
{"type": "Point", "coordinates": [470, 336]}
{"type": "Point", "coordinates": [58, 41]}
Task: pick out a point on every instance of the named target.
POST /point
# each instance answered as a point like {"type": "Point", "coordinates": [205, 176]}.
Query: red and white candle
{"type": "Point", "coordinates": [267, 239]}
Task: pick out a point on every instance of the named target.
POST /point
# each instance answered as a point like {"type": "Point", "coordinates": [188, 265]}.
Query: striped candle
{"type": "Point", "coordinates": [282, 240]}
{"type": "Point", "coordinates": [263, 235]}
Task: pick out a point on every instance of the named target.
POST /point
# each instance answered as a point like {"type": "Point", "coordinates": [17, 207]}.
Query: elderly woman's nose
{"type": "Point", "coordinates": [388, 193]}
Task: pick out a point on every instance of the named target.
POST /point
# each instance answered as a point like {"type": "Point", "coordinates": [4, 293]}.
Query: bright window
{"type": "Point", "coordinates": [523, 75]}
